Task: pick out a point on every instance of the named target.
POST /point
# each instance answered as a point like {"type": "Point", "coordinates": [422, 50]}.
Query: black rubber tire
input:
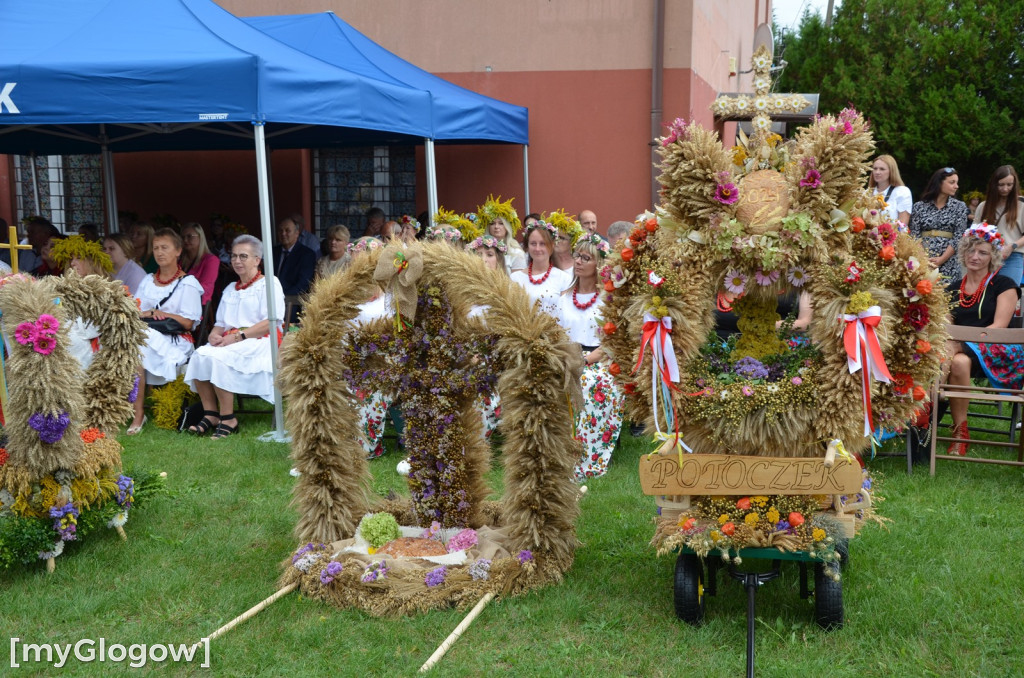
{"type": "Point", "coordinates": [843, 551]}
{"type": "Point", "coordinates": [689, 589]}
{"type": "Point", "coordinates": [828, 598]}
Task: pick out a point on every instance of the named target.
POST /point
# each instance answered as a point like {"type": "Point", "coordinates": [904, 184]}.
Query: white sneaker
{"type": "Point", "coordinates": [403, 467]}
{"type": "Point", "coordinates": [295, 473]}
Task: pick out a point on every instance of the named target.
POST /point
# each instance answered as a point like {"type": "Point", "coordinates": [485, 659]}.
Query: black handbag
{"type": "Point", "coordinates": [168, 326]}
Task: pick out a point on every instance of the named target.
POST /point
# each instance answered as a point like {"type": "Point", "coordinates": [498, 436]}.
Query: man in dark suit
{"type": "Point", "coordinates": [294, 263]}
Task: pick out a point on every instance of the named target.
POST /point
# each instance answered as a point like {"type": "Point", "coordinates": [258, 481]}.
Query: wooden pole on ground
{"type": "Point", "coordinates": [251, 612]}
{"type": "Point", "coordinates": [459, 630]}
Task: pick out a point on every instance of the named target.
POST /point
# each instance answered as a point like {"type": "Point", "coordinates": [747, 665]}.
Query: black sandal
{"type": "Point", "coordinates": [223, 430]}
{"type": "Point", "coordinates": [204, 424]}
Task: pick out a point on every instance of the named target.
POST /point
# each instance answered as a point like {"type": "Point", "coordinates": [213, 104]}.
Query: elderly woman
{"type": "Point", "coordinates": [338, 257]}
{"type": "Point", "coordinates": [120, 250]}
{"type": "Point", "coordinates": [238, 358]}
{"type": "Point", "coordinates": [167, 294]}
{"type": "Point", "coordinates": [197, 259]}
{"type": "Point", "coordinates": [982, 298]}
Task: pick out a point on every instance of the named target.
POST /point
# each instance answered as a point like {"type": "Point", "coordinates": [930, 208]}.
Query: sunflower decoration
{"type": "Point", "coordinates": [567, 225]}
{"type": "Point", "coordinates": [493, 209]}
{"type": "Point", "coordinates": [767, 219]}
{"type": "Point", "coordinates": [77, 247]}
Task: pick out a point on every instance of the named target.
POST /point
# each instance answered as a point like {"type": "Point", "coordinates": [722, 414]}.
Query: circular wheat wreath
{"type": "Point", "coordinates": [541, 371]}
{"type": "Point", "coordinates": [768, 211]}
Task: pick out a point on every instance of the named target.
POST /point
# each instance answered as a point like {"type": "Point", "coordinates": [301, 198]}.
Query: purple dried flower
{"type": "Point", "coordinates": [727, 194]}
{"type": "Point", "coordinates": [51, 428]}
{"type": "Point", "coordinates": [328, 574]}
{"type": "Point", "coordinates": [436, 576]}
{"type": "Point", "coordinates": [524, 556]}
{"type": "Point", "coordinates": [134, 393]}
{"type": "Point", "coordinates": [480, 569]}
{"type": "Point", "coordinates": [750, 368]}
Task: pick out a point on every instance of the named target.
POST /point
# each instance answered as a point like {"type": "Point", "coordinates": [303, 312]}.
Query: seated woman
{"type": "Point", "coordinates": [982, 298]}
{"type": "Point", "coordinates": [47, 266]}
{"type": "Point", "coordinates": [600, 421]}
{"type": "Point", "coordinates": [169, 293]}
{"type": "Point", "coordinates": [237, 358]}
{"type": "Point", "coordinates": [142, 242]}
{"type": "Point", "coordinates": [78, 256]}
{"type": "Point", "coordinates": [337, 256]}
{"type": "Point", "coordinates": [542, 281]}
{"type": "Point", "coordinates": [197, 259]}
{"type": "Point", "coordinates": [120, 250]}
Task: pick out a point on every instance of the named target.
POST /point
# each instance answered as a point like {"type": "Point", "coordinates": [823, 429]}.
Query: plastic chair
{"type": "Point", "coordinates": [979, 393]}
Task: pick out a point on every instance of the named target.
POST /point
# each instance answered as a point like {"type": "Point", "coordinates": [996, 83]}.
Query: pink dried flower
{"type": "Point", "coordinates": [812, 179]}
{"type": "Point", "coordinates": [45, 344]}
{"type": "Point", "coordinates": [47, 324]}
{"type": "Point", "coordinates": [727, 194]}
{"type": "Point", "coordinates": [26, 333]}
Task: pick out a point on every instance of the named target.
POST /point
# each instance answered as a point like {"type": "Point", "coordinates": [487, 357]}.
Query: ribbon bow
{"type": "Point", "coordinates": [398, 271]}
{"type": "Point", "coordinates": [657, 333]}
{"type": "Point", "coordinates": [863, 352]}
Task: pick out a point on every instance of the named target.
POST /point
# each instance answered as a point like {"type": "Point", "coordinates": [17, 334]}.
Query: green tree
{"type": "Point", "coordinates": [941, 81]}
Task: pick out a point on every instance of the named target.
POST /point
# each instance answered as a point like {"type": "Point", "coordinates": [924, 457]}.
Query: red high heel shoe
{"type": "Point", "coordinates": [959, 449]}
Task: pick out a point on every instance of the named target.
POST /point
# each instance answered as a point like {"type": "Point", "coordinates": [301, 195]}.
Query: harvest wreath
{"type": "Point", "coordinates": [60, 469]}
{"type": "Point", "coordinates": [438, 359]}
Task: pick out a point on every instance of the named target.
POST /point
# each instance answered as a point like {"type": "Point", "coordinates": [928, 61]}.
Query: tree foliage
{"type": "Point", "coordinates": [941, 81]}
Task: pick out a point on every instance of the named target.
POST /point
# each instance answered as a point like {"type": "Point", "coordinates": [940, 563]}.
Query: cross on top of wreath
{"type": "Point", "coordinates": [763, 106]}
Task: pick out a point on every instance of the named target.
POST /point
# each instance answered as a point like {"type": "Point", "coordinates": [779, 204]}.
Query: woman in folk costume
{"type": "Point", "coordinates": [500, 220]}
{"type": "Point", "coordinates": [569, 233]}
{"type": "Point", "coordinates": [599, 423]}
{"type": "Point", "coordinates": [543, 282]}
{"type": "Point", "coordinates": [78, 256]}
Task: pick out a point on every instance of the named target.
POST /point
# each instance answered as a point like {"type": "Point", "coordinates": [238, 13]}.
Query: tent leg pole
{"type": "Point", "coordinates": [35, 184]}
{"type": "Point", "coordinates": [431, 180]}
{"type": "Point", "coordinates": [267, 228]}
{"type": "Point", "coordinates": [526, 177]}
{"type": "Point", "coordinates": [109, 189]}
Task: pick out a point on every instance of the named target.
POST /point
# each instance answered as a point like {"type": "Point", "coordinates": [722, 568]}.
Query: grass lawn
{"type": "Point", "coordinates": [938, 593]}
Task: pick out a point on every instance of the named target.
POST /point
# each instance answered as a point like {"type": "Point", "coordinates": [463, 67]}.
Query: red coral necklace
{"type": "Point", "coordinates": [582, 307]}
{"type": "Point", "coordinates": [160, 281]}
{"type": "Point", "coordinates": [239, 286]}
{"type": "Point", "coordinates": [968, 301]}
{"type": "Point", "coordinates": [529, 274]}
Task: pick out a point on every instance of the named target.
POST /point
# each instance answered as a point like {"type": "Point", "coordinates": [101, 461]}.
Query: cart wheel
{"type": "Point", "coordinates": [828, 598]}
{"type": "Point", "coordinates": [689, 589]}
{"type": "Point", "coordinates": [843, 551]}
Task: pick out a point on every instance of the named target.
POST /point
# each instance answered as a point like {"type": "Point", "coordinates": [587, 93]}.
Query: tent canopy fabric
{"type": "Point", "coordinates": [459, 113]}
{"type": "Point", "coordinates": [178, 74]}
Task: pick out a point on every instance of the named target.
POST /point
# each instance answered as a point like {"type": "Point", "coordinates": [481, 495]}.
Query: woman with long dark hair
{"type": "Point", "coordinates": [1002, 209]}
{"type": "Point", "coordinates": [939, 219]}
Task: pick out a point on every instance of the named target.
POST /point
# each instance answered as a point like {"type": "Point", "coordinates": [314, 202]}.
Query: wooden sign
{"type": "Point", "coordinates": [725, 474]}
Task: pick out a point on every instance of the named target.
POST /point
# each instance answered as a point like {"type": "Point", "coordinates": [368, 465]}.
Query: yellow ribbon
{"type": "Point", "coordinates": [661, 439]}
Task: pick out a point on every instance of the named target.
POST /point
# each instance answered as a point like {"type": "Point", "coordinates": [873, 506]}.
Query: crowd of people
{"type": "Point", "coordinates": [205, 303]}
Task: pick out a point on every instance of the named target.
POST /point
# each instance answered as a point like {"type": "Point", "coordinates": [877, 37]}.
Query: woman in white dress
{"type": "Point", "coordinates": [600, 421]}
{"type": "Point", "coordinates": [543, 282]}
{"type": "Point", "coordinates": [885, 181]}
{"type": "Point", "coordinates": [237, 358]}
{"type": "Point", "coordinates": [167, 293]}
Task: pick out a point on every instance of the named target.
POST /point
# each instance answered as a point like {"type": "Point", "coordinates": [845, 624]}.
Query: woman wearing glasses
{"type": "Point", "coordinates": [939, 220]}
{"type": "Point", "coordinates": [237, 359]}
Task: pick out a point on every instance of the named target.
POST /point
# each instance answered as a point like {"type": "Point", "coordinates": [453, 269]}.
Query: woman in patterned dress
{"type": "Point", "coordinates": [599, 423]}
{"type": "Point", "coordinates": [939, 220]}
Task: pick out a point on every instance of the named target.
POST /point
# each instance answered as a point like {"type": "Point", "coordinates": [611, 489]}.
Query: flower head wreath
{"type": "Point", "coordinates": [77, 247]}
{"type": "Point", "coordinates": [567, 225]}
{"type": "Point", "coordinates": [986, 232]}
{"type": "Point", "coordinates": [488, 240]}
{"type": "Point", "coordinates": [599, 243]}
{"type": "Point", "coordinates": [465, 228]}
{"type": "Point", "coordinates": [547, 226]}
{"type": "Point", "coordinates": [365, 244]}
{"type": "Point", "coordinates": [410, 221]}
{"type": "Point", "coordinates": [494, 209]}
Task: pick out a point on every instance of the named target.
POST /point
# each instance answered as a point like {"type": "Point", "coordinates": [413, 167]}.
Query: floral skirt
{"type": "Point", "coordinates": [489, 407]}
{"type": "Point", "coordinates": [373, 412]}
{"type": "Point", "coordinates": [598, 425]}
{"type": "Point", "coordinates": [1002, 364]}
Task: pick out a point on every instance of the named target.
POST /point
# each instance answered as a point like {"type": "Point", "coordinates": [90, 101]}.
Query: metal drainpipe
{"type": "Point", "coordinates": [657, 78]}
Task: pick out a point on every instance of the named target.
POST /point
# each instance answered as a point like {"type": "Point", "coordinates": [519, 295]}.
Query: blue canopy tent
{"type": "Point", "coordinates": [459, 114]}
{"type": "Point", "coordinates": [105, 75]}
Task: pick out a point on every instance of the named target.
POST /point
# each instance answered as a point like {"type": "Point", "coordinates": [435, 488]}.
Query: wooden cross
{"type": "Point", "coordinates": [13, 246]}
{"type": "Point", "coordinates": [763, 106]}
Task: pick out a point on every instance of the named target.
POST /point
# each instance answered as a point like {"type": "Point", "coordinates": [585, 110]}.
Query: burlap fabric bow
{"type": "Point", "coordinates": [398, 270]}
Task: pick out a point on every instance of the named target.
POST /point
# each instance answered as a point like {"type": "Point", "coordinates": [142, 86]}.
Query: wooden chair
{"type": "Point", "coordinates": [1015, 397]}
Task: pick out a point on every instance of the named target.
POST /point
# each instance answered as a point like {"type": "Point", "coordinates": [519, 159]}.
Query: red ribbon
{"type": "Point", "coordinates": [865, 353]}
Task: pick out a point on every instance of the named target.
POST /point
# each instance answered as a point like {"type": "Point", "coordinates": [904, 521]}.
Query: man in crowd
{"type": "Point", "coordinates": [375, 219]}
{"type": "Point", "coordinates": [617, 231]}
{"type": "Point", "coordinates": [294, 263]}
{"type": "Point", "coordinates": [588, 220]}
